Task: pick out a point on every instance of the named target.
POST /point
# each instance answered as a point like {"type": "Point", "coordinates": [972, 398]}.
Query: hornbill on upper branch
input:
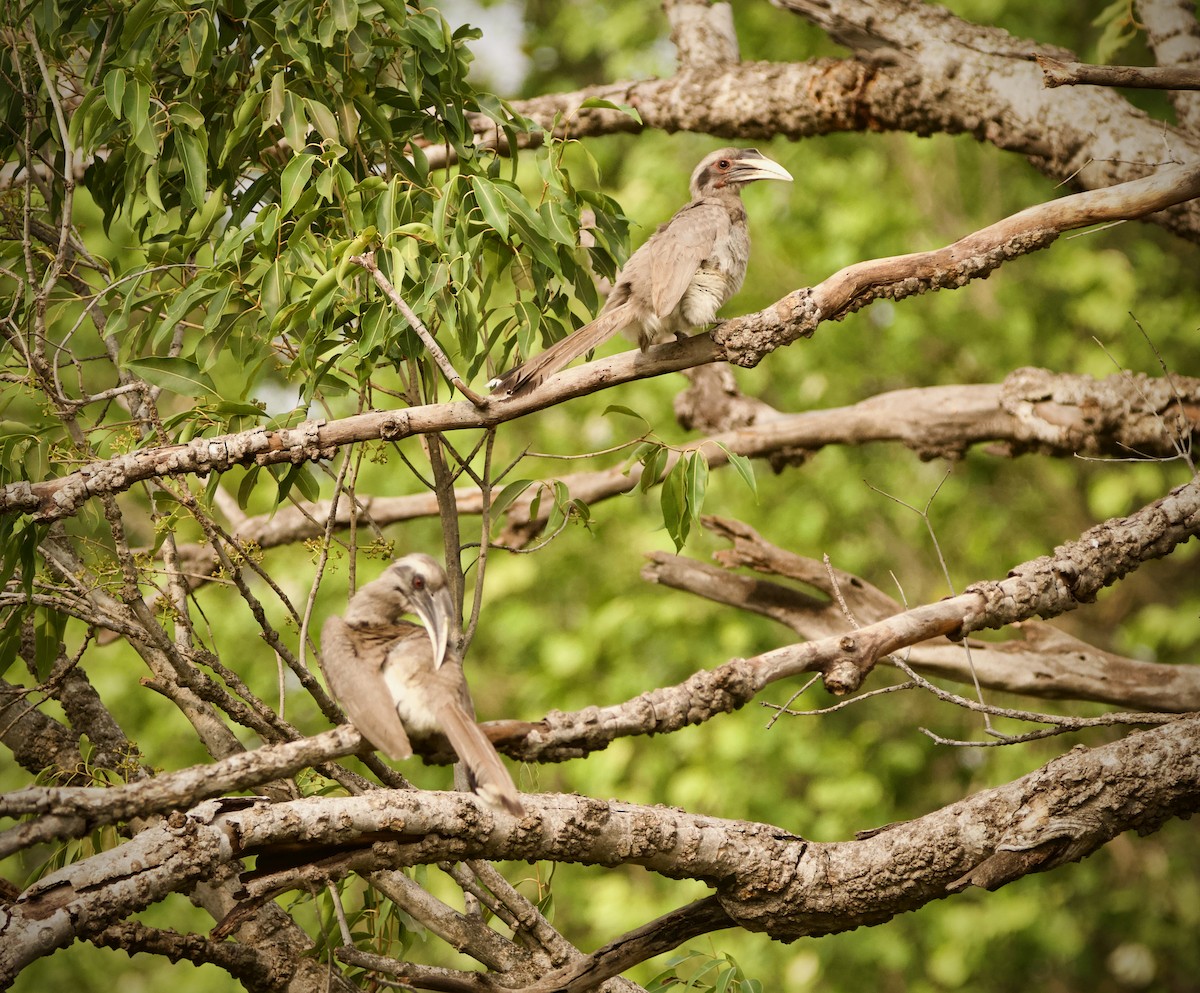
{"type": "Point", "coordinates": [679, 278]}
{"type": "Point", "coordinates": [390, 674]}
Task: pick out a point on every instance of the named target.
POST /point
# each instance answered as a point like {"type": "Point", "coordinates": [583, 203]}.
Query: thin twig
{"type": "Point", "coordinates": [367, 261]}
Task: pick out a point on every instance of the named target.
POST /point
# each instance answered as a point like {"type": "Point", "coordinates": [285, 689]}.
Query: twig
{"type": "Point", "coordinates": [1059, 73]}
{"type": "Point", "coordinates": [367, 261]}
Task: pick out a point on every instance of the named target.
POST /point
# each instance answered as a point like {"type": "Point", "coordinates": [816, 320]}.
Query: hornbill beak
{"type": "Point", "coordinates": [435, 609]}
{"type": "Point", "coordinates": [752, 165]}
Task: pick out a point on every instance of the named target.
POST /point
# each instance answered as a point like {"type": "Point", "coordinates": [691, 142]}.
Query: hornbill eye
{"type": "Point", "coordinates": [723, 164]}
{"type": "Point", "coordinates": [418, 582]}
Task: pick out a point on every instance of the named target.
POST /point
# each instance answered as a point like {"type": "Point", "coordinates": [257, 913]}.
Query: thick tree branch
{"type": "Point", "coordinates": [742, 341]}
{"type": "Point", "coordinates": [1044, 662]}
{"type": "Point", "coordinates": [745, 340]}
{"type": "Point", "coordinates": [921, 70]}
{"type": "Point", "coordinates": [1033, 410]}
{"type": "Point", "coordinates": [766, 878]}
{"type": "Point", "coordinates": [95, 807]}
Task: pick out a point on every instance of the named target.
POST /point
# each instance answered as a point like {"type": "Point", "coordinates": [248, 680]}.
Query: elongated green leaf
{"type": "Point", "coordinates": [193, 150]}
{"type": "Point", "coordinates": [492, 205]}
{"type": "Point", "coordinates": [743, 467]}
{"type": "Point", "coordinates": [507, 495]}
{"type": "Point", "coordinates": [295, 179]}
{"type": "Point", "coordinates": [114, 91]}
{"type": "Point", "coordinates": [673, 501]}
{"type": "Point", "coordinates": [602, 104]}
{"type": "Point", "coordinates": [137, 20]}
{"type": "Point", "coordinates": [697, 484]}
{"type": "Point", "coordinates": [48, 627]}
{"type": "Point", "coordinates": [617, 408]}
{"type": "Point", "coordinates": [180, 376]}
{"type": "Point", "coordinates": [653, 464]}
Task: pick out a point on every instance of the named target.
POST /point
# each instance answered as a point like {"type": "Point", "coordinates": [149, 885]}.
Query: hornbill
{"type": "Point", "coordinates": [679, 278]}
{"type": "Point", "coordinates": [390, 674]}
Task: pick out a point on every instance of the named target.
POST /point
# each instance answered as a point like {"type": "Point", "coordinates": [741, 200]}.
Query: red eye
{"type": "Point", "coordinates": [723, 164]}
{"type": "Point", "coordinates": [418, 582]}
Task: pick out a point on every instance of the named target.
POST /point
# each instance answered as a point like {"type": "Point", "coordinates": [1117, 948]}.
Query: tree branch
{"type": "Point", "coordinates": [95, 807]}
{"type": "Point", "coordinates": [1060, 73]}
{"type": "Point", "coordinates": [1045, 587]}
{"type": "Point", "coordinates": [1044, 662]}
{"type": "Point", "coordinates": [743, 341]}
{"type": "Point", "coordinates": [766, 878]}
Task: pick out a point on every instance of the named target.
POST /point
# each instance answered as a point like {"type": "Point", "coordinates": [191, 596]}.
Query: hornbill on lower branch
{"type": "Point", "coordinates": [390, 674]}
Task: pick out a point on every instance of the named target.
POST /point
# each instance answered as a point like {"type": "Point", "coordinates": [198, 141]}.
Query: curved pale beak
{"type": "Point", "coordinates": [435, 611]}
{"type": "Point", "coordinates": [747, 170]}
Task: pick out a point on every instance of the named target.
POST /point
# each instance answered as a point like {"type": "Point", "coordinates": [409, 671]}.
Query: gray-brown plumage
{"type": "Point", "coordinates": [391, 675]}
{"type": "Point", "coordinates": [680, 277]}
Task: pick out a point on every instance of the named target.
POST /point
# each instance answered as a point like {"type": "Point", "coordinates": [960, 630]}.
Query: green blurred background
{"type": "Point", "coordinates": [574, 625]}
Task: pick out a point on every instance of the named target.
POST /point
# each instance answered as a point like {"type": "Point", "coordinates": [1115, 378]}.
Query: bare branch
{"type": "Point", "coordinates": [1044, 662]}
{"type": "Point", "coordinates": [766, 878]}
{"type": "Point", "coordinates": [1173, 34]}
{"type": "Point", "coordinates": [1060, 73]}
{"type": "Point", "coordinates": [743, 341]}
{"type": "Point", "coordinates": [1043, 587]}
{"type": "Point", "coordinates": [94, 806]}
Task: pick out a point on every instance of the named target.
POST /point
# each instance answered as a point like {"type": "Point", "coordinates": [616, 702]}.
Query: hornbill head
{"type": "Point", "coordinates": [419, 585]}
{"type": "Point", "coordinates": [734, 167]}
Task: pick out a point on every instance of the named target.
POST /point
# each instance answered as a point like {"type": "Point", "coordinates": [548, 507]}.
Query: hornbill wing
{"type": "Point", "coordinates": [353, 665]}
{"type": "Point", "coordinates": [675, 252]}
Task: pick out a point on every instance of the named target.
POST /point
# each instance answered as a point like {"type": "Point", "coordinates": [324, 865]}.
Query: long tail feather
{"type": "Point", "coordinates": [562, 353]}
{"type": "Point", "coordinates": [490, 779]}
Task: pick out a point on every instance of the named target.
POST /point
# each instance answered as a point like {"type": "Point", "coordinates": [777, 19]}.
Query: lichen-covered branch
{"type": "Point", "coordinates": [765, 877]}
{"type": "Point", "coordinates": [742, 341]}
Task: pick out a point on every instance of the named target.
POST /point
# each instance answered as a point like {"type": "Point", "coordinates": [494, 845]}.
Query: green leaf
{"type": "Point", "coordinates": [744, 468]}
{"type": "Point", "coordinates": [136, 21]}
{"type": "Point", "coordinates": [275, 100]}
{"type": "Point", "coordinates": [617, 408]}
{"type": "Point", "coordinates": [428, 26]}
{"type": "Point", "coordinates": [324, 119]}
{"type": "Point", "coordinates": [192, 46]}
{"type": "Point", "coordinates": [246, 487]}
{"type": "Point", "coordinates": [601, 104]}
{"type": "Point", "coordinates": [653, 464]}
{"type": "Point", "coordinates": [697, 484]}
{"type": "Point", "coordinates": [137, 110]}
{"type": "Point", "coordinates": [189, 116]}
{"type": "Point", "coordinates": [345, 14]}
{"type": "Point", "coordinates": [295, 180]}
{"type": "Point", "coordinates": [114, 91]}
{"type": "Point", "coordinates": [673, 501]}
{"type": "Point", "coordinates": [48, 627]}
{"type": "Point", "coordinates": [302, 479]}
{"type": "Point", "coordinates": [295, 123]}
{"type": "Point", "coordinates": [193, 150]}
{"type": "Point", "coordinates": [181, 376]}
{"type": "Point", "coordinates": [557, 225]}
{"type": "Point", "coordinates": [492, 206]}
{"type": "Point", "coordinates": [509, 494]}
